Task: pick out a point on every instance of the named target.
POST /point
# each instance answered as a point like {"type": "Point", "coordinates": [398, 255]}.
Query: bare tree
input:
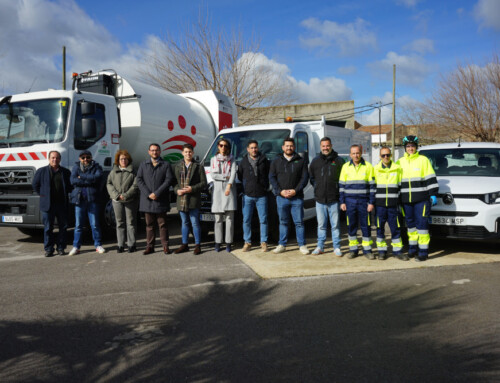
{"type": "Point", "coordinates": [467, 102]}
{"type": "Point", "coordinates": [206, 58]}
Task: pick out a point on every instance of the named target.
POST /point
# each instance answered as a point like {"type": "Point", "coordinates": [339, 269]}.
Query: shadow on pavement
{"type": "Point", "coordinates": [231, 333]}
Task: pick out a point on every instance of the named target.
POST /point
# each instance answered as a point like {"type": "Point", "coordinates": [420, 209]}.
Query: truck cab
{"type": "Point", "coordinates": [469, 190]}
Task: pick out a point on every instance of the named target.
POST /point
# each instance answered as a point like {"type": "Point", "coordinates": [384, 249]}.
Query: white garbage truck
{"type": "Point", "coordinates": [103, 113]}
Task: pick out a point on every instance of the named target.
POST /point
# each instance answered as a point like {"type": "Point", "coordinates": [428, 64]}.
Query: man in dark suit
{"type": "Point", "coordinates": [52, 184]}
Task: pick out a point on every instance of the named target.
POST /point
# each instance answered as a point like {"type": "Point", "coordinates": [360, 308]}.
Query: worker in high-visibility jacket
{"type": "Point", "coordinates": [388, 180]}
{"type": "Point", "coordinates": [357, 198]}
{"type": "Point", "coordinates": [418, 192]}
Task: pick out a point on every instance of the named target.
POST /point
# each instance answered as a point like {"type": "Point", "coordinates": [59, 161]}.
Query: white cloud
{"type": "Point", "coordinates": [410, 70]}
{"type": "Point", "coordinates": [487, 13]}
{"type": "Point", "coordinates": [371, 117]}
{"type": "Point", "coordinates": [421, 46]}
{"type": "Point", "coordinates": [33, 34]}
{"type": "Point", "coordinates": [350, 38]}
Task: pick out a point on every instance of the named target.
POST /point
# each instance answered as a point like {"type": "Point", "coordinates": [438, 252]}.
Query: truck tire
{"type": "Point", "coordinates": [31, 232]}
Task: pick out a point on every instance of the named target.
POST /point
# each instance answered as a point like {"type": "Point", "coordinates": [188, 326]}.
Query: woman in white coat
{"type": "Point", "coordinates": [224, 198]}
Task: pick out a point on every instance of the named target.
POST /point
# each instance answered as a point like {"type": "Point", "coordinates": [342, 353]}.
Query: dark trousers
{"type": "Point", "coordinates": [59, 211]}
{"type": "Point", "coordinates": [357, 214]}
{"type": "Point", "coordinates": [161, 219]}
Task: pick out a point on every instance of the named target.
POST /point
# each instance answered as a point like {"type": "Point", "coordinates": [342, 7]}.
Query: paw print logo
{"type": "Point", "coordinates": [175, 143]}
{"type": "Point", "coordinates": [104, 144]}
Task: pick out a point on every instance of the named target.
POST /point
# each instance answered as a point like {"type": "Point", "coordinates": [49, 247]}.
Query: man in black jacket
{"type": "Point", "coordinates": [253, 173]}
{"type": "Point", "coordinates": [324, 172]}
{"type": "Point", "coordinates": [52, 183]}
{"type": "Point", "coordinates": [288, 175]}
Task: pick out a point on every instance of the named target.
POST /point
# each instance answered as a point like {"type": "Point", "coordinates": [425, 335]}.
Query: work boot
{"type": "Point", "coordinates": [352, 254]}
{"type": "Point", "coordinates": [246, 247]}
{"type": "Point", "coordinates": [149, 250]}
{"type": "Point", "coordinates": [382, 255]}
{"type": "Point", "coordinates": [421, 258]}
{"type": "Point", "coordinates": [264, 248]}
{"type": "Point", "coordinates": [369, 255]}
{"type": "Point", "coordinates": [166, 250]}
{"type": "Point", "coordinates": [401, 256]}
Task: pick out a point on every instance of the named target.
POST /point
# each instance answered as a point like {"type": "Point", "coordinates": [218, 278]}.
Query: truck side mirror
{"type": "Point", "coordinates": [89, 128]}
{"type": "Point", "coordinates": [88, 108]}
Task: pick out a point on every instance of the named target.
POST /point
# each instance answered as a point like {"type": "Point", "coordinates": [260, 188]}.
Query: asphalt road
{"type": "Point", "coordinates": [209, 318]}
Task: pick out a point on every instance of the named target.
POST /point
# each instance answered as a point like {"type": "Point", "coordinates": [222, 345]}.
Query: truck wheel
{"type": "Point", "coordinates": [205, 232]}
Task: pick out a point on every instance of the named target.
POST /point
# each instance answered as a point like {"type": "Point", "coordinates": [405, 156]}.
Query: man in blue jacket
{"type": "Point", "coordinates": [288, 176]}
{"type": "Point", "coordinates": [86, 177]}
{"type": "Point", "coordinates": [52, 184]}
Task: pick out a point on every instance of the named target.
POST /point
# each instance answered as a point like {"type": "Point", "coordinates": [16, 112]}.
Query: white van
{"type": "Point", "coordinates": [469, 190]}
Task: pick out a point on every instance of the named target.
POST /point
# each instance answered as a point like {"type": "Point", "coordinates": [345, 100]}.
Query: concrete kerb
{"type": "Point", "coordinates": [293, 264]}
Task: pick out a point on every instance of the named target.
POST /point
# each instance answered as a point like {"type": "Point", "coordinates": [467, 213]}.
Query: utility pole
{"type": "Point", "coordinates": [64, 68]}
{"type": "Point", "coordinates": [393, 130]}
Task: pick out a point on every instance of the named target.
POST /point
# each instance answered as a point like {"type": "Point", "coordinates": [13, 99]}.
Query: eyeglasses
{"type": "Point", "coordinates": [86, 157]}
{"type": "Point", "coordinates": [385, 155]}
{"type": "Point", "coordinates": [223, 146]}
{"type": "Point", "coordinates": [123, 159]}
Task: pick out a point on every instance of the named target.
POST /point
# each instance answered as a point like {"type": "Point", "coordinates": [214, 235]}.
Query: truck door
{"type": "Point", "coordinates": [302, 147]}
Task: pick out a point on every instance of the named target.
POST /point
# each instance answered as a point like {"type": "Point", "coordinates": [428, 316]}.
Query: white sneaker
{"type": "Point", "coordinates": [279, 249]}
{"type": "Point", "coordinates": [100, 249]}
{"type": "Point", "coordinates": [304, 250]}
{"type": "Point", "coordinates": [74, 251]}
{"type": "Point", "coordinates": [337, 252]}
{"type": "Point", "coordinates": [317, 251]}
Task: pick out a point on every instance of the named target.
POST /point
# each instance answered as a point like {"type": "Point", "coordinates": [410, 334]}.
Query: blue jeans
{"type": "Point", "coordinates": [193, 216]}
{"type": "Point", "coordinates": [59, 211]}
{"type": "Point", "coordinates": [248, 205]}
{"type": "Point", "coordinates": [91, 209]}
{"type": "Point", "coordinates": [293, 207]}
{"type": "Point", "coordinates": [323, 213]}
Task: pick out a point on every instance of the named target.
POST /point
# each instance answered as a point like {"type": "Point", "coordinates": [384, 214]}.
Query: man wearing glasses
{"type": "Point", "coordinates": [86, 178]}
{"type": "Point", "coordinates": [154, 178]}
{"type": "Point", "coordinates": [388, 180]}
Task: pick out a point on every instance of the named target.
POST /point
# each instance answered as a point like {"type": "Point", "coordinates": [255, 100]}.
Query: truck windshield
{"type": "Point", "coordinates": [465, 162]}
{"type": "Point", "coordinates": [27, 123]}
{"type": "Point", "coordinates": [270, 142]}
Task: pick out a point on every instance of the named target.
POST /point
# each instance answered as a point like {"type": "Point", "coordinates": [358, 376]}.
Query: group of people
{"type": "Point", "coordinates": [356, 187]}
{"type": "Point", "coordinates": [147, 191]}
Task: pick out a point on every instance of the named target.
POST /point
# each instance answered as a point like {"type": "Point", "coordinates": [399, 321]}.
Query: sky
{"type": "Point", "coordinates": [330, 50]}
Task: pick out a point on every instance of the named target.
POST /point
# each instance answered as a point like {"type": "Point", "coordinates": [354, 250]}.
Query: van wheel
{"type": "Point", "coordinates": [31, 232]}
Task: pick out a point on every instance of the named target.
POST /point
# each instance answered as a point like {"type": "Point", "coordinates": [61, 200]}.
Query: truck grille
{"type": "Point", "coordinates": [454, 213]}
{"type": "Point", "coordinates": [16, 176]}
{"type": "Point", "coordinates": [470, 232]}
{"type": "Point", "coordinates": [13, 205]}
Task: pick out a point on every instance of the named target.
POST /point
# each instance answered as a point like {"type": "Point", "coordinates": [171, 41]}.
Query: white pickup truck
{"type": "Point", "coordinates": [469, 190]}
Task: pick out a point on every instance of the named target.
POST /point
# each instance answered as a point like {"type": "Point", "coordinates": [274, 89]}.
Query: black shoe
{"type": "Point", "coordinates": [228, 247]}
{"type": "Point", "coordinates": [422, 258]}
{"type": "Point", "coordinates": [132, 249]}
{"type": "Point", "coordinates": [217, 247]}
{"type": "Point", "coordinates": [402, 257]}
{"type": "Point", "coordinates": [382, 255]}
{"type": "Point", "coordinates": [49, 254]}
{"type": "Point", "coordinates": [60, 252]}
{"type": "Point", "coordinates": [120, 249]}
{"type": "Point", "coordinates": [412, 254]}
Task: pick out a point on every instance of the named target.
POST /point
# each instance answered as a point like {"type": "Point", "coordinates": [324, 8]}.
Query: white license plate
{"type": "Point", "coordinates": [207, 217]}
{"type": "Point", "coordinates": [451, 221]}
{"type": "Point", "coordinates": [12, 218]}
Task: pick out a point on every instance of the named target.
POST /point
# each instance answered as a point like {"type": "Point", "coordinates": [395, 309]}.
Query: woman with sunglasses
{"type": "Point", "coordinates": [223, 172]}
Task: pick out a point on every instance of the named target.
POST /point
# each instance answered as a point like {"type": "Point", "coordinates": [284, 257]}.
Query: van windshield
{"type": "Point", "coordinates": [465, 162]}
{"type": "Point", "coordinates": [30, 122]}
{"type": "Point", "coordinates": [270, 143]}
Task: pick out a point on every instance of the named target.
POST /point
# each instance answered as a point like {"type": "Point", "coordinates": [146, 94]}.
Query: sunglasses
{"type": "Point", "coordinates": [86, 157]}
{"type": "Point", "coordinates": [223, 146]}
{"type": "Point", "coordinates": [385, 155]}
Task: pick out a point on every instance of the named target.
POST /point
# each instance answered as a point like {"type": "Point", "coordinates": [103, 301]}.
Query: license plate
{"type": "Point", "coordinates": [451, 221]}
{"type": "Point", "coordinates": [12, 218]}
{"type": "Point", "coordinates": [207, 217]}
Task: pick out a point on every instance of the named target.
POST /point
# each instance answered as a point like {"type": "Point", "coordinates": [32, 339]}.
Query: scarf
{"type": "Point", "coordinates": [222, 165]}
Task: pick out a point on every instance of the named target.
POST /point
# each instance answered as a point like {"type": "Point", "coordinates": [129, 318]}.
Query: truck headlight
{"type": "Point", "coordinates": [492, 198]}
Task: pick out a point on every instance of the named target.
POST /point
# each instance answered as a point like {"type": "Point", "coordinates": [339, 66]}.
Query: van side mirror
{"type": "Point", "coordinates": [88, 108]}
{"type": "Point", "coordinates": [89, 128]}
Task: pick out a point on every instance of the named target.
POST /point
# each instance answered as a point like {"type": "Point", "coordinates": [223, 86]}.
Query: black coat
{"type": "Point", "coordinates": [154, 179]}
{"type": "Point", "coordinates": [41, 185]}
{"type": "Point", "coordinates": [324, 173]}
{"type": "Point", "coordinates": [284, 174]}
{"type": "Point", "coordinates": [254, 185]}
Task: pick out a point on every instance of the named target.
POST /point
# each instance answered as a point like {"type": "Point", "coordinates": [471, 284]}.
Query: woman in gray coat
{"type": "Point", "coordinates": [124, 192]}
{"type": "Point", "coordinates": [224, 198]}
